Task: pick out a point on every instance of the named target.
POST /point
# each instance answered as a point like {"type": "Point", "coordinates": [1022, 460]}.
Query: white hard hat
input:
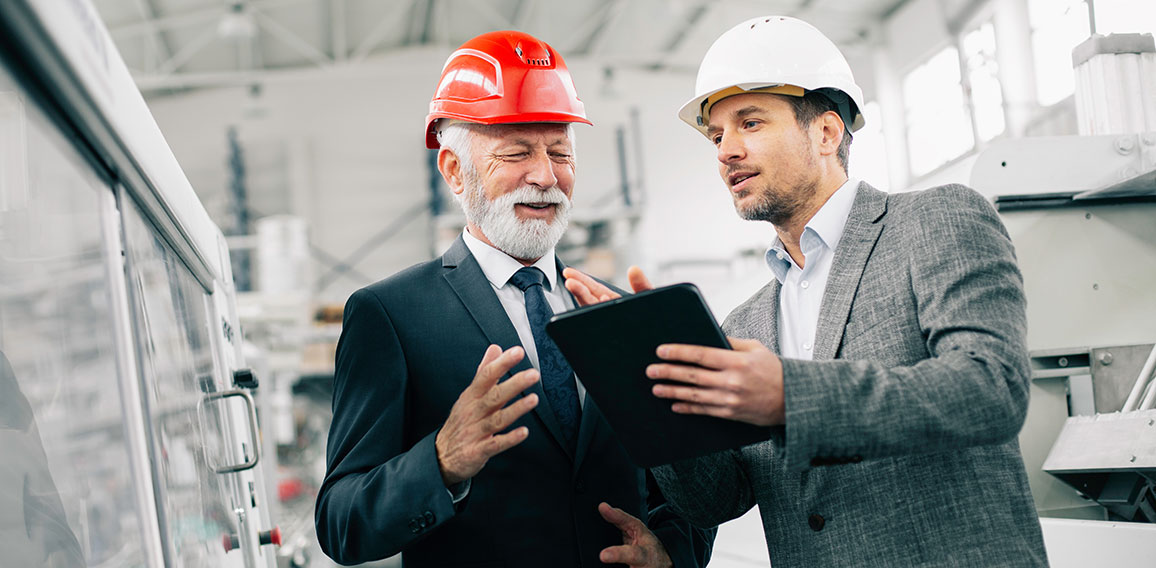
{"type": "Point", "coordinates": [775, 54]}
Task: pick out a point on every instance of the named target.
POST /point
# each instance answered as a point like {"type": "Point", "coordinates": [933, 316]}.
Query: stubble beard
{"type": "Point", "coordinates": [775, 205]}
{"type": "Point", "coordinates": [778, 205]}
{"type": "Point", "coordinates": [524, 239]}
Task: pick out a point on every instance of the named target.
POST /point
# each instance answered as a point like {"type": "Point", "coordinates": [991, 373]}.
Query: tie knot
{"type": "Point", "coordinates": [526, 277]}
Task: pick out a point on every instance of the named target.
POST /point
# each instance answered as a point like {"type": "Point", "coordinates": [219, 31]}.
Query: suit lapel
{"type": "Point", "coordinates": [470, 284]}
{"type": "Point", "coordinates": [591, 421]}
{"type": "Point", "coordinates": [772, 322]}
{"type": "Point", "coordinates": [864, 224]}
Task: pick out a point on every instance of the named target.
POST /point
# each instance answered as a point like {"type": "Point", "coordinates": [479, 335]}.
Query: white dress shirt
{"type": "Point", "coordinates": [802, 288]}
{"type": "Point", "coordinates": [499, 267]}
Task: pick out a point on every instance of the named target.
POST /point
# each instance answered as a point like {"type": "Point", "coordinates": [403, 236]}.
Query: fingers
{"type": "Point", "coordinates": [638, 280]}
{"type": "Point", "coordinates": [746, 344]}
{"type": "Point", "coordinates": [498, 396]}
{"type": "Point", "coordinates": [581, 293]}
{"type": "Point", "coordinates": [703, 409]}
{"type": "Point", "coordinates": [709, 357]}
{"type": "Point", "coordinates": [619, 518]}
{"type": "Point", "coordinates": [494, 367]}
{"type": "Point", "coordinates": [624, 554]}
{"type": "Point", "coordinates": [503, 418]}
{"type": "Point", "coordinates": [492, 352]}
{"type": "Point", "coordinates": [502, 442]}
{"type": "Point", "coordinates": [684, 374]}
{"type": "Point", "coordinates": [592, 291]}
{"type": "Point", "coordinates": [698, 395]}
{"type": "Point", "coordinates": [630, 553]}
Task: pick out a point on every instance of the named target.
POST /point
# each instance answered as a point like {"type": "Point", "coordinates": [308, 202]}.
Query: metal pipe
{"type": "Point", "coordinates": [1141, 382]}
{"type": "Point", "coordinates": [1149, 397]}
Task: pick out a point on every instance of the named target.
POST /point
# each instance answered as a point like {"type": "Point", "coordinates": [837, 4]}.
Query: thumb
{"type": "Point", "coordinates": [638, 280]}
{"type": "Point", "coordinates": [746, 344]}
{"type": "Point", "coordinates": [625, 522]}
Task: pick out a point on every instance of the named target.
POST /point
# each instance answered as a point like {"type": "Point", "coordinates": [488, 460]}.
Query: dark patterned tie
{"type": "Point", "coordinates": [557, 376]}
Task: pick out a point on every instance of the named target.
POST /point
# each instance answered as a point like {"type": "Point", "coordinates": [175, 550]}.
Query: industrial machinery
{"type": "Point", "coordinates": [1081, 211]}
{"type": "Point", "coordinates": [128, 428]}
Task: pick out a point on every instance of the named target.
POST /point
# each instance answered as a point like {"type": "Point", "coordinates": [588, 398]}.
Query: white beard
{"type": "Point", "coordinates": [522, 239]}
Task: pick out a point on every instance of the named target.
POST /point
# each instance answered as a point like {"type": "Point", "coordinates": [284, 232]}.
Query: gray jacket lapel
{"type": "Point", "coordinates": [864, 224]}
{"type": "Point", "coordinates": [465, 276]}
{"type": "Point", "coordinates": [758, 317]}
{"type": "Point", "coordinates": [773, 322]}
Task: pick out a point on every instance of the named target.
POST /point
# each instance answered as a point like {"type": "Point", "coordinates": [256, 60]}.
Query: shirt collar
{"type": "Point", "coordinates": [499, 267]}
{"type": "Point", "coordinates": [826, 226]}
{"type": "Point", "coordinates": [831, 218]}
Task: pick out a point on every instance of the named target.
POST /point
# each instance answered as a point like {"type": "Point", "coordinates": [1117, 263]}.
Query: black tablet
{"type": "Point", "coordinates": [609, 345]}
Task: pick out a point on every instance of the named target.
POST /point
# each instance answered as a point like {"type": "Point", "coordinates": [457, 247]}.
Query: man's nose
{"type": "Point", "coordinates": [730, 149]}
{"type": "Point", "coordinates": [541, 173]}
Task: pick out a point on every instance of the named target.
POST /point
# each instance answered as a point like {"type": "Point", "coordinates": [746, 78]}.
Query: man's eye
{"type": "Point", "coordinates": [717, 139]}
{"type": "Point", "coordinates": [750, 124]}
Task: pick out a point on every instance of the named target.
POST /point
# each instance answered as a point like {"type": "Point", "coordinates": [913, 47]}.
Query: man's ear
{"type": "Point", "coordinates": [830, 132]}
{"type": "Point", "coordinates": [451, 168]}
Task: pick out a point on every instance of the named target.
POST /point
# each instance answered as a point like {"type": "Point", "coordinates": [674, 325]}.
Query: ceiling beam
{"type": "Point", "coordinates": [420, 29]}
{"type": "Point", "coordinates": [293, 40]}
{"type": "Point", "coordinates": [158, 43]}
{"type": "Point", "coordinates": [338, 29]}
{"type": "Point", "coordinates": [188, 51]}
{"type": "Point", "coordinates": [964, 15]}
{"type": "Point", "coordinates": [379, 33]}
{"type": "Point", "coordinates": [598, 39]}
{"type": "Point", "coordinates": [491, 15]}
{"type": "Point", "coordinates": [522, 13]}
{"type": "Point", "coordinates": [587, 33]}
{"type": "Point", "coordinates": [694, 15]}
{"type": "Point", "coordinates": [152, 83]}
{"type": "Point", "coordinates": [207, 15]}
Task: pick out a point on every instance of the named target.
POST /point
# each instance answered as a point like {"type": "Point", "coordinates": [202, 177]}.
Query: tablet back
{"type": "Point", "coordinates": [609, 346]}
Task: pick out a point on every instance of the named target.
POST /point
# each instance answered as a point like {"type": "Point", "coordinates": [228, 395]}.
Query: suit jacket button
{"type": "Point", "coordinates": [429, 518]}
{"type": "Point", "coordinates": [414, 527]}
{"type": "Point", "coordinates": [580, 487]}
{"type": "Point", "coordinates": [816, 521]}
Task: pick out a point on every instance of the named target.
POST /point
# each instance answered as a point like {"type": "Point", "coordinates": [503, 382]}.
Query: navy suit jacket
{"type": "Point", "coordinates": [409, 346]}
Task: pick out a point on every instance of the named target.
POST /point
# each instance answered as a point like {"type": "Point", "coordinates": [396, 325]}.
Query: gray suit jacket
{"type": "Point", "coordinates": [899, 447]}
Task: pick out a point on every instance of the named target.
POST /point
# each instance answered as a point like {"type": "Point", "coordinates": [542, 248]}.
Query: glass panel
{"type": "Point", "coordinates": [1057, 27]}
{"type": "Point", "coordinates": [868, 157]}
{"type": "Point", "coordinates": [938, 122]}
{"type": "Point", "coordinates": [178, 367]}
{"type": "Point", "coordinates": [66, 496]}
{"type": "Point", "coordinates": [983, 74]}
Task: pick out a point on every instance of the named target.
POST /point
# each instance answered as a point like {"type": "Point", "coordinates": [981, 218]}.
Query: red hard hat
{"type": "Point", "coordinates": [504, 77]}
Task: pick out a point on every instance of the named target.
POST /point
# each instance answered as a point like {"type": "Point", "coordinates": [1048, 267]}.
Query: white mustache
{"type": "Point", "coordinates": [531, 194]}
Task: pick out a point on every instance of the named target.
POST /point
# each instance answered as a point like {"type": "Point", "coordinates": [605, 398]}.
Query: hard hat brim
{"type": "Point", "coordinates": [431, 134]}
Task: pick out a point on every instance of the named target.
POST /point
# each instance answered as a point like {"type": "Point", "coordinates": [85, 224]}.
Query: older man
{"type": "Point", "coordinates": [887, 351]}
{"type": "Point", "coordinates": [460, 435]}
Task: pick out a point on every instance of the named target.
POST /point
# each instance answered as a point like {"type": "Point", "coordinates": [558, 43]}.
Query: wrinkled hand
{"type": "Point", "coordinates": [639, 546]}
{"type": "Point", "coordinates": [590, 291]}
{"type": "Point", "coordinates": [470, 436]}
{"type": "Point", "coordinates": [745, 384]}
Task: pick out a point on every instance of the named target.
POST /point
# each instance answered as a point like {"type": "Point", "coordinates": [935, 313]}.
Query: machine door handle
{"type": "Point", "coordinates": [252, 412]}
